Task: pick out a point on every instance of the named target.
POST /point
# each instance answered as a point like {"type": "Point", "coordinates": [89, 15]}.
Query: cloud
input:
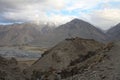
{"type": "Point", "coordinates": [105, 18]}
{"type": "Point", "coordinates": [98, 12]}
{"type": "Point", "coordinates": [83, 4]}
{"type": "Point", "coordinates": [60, 19]}
{"type": "Point", "coordinates": [28, 10]}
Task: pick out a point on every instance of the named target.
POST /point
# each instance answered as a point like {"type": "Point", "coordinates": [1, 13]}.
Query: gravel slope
{"type": "Point", "coordinates": [108, 69]}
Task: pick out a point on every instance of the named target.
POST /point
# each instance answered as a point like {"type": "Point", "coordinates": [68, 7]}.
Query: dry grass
{"type": "Point", "coordinates": [33, 48]}
{"type": "Point", "coordinates": [27, 62]}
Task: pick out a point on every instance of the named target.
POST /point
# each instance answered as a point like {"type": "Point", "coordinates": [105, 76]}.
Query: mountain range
{"type": "Point", "coordinates": [47, 35]}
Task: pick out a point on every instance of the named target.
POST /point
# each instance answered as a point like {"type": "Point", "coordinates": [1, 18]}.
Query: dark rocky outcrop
{"type": "Point", "coordinates": [9, 70]}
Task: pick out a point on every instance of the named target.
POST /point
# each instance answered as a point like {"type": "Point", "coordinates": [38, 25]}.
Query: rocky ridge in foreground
{"type": "Point", "coordinates": [69, 58]}
{"type": "Point", "coordinates": [9, 70]}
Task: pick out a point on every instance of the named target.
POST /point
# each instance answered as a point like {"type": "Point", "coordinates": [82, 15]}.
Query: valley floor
{"type": "Point", "coordinates": [23, 54]}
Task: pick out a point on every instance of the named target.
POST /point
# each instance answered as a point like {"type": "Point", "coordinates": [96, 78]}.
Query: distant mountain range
{"type": "Point", "coordinates": [47, 35]}
{"type": "Point", "coordinates": [17, 34]}
{"type": "Point", "coordinates": [21, 34]}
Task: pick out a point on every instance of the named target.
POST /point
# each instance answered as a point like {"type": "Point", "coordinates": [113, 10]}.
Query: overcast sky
{"type": "Point", "coordinates": [102, 13]}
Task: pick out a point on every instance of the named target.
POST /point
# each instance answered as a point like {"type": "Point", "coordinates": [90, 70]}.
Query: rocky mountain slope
{"type": "Point", "coordinates": [114, 33]}
{"type": "Point", "coordinates": [71, 59]}
{"type": "Point", "coordinates": [68, 58]}
{"type": "Point", "coordinates": [108, 69]}
{"type": "Point", "coordinates": [79, 28]}
{"type": "Point", "coordinates": [66, 51]}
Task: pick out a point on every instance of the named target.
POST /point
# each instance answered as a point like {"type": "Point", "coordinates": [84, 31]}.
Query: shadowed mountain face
{"type": "Point", "coordinates": [79, 28]}
{"type": "Point", "coordinates": [114, 33]}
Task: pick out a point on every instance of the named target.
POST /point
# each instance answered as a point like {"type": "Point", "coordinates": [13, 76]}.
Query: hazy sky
{"type": "Point", "coordinates": [102, 13]}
